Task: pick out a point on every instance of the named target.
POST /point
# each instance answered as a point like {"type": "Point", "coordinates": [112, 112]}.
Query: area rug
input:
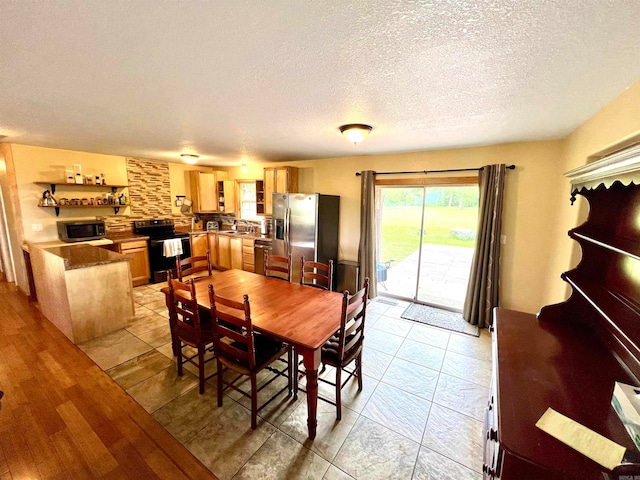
{"type": "Point", "coordinates": [439, 318]}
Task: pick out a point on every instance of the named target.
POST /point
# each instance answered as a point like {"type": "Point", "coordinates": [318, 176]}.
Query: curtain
{"type": "Point", "coordinates": [367, 255]}
{"type": "Point", "coordinates": [482, 291]}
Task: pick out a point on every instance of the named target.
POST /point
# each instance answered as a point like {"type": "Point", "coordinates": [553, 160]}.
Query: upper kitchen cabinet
{"type": "Point", "coordinates": [204, 190]}
{"type": "Point", "coordinates": [227, 196]}
{"type": "Point", "coordinates": [281, 180]}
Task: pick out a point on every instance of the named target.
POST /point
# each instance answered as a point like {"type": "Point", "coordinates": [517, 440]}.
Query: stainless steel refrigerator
{"type": "Point", "coordinates": [306, 224]}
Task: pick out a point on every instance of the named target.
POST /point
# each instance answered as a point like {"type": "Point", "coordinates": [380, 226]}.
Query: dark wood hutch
{"type": "Point", "coordinates": [570, 355]}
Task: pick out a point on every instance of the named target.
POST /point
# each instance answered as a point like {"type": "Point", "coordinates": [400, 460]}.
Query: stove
{"type": "Point", "coordinates": [159, 230]}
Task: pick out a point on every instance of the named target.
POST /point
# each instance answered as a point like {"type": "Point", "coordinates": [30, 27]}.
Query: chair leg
{"type": "Point", "coordinates": [254, 402]}
{"type": "Point", "coordinates": [201, 368]}
{"type": "Point", "coordinates": [295, 375]}
{"type": "Point", "coordinates": [359, 370]}
{"type": "Point", "coordinates": [179, 358]}
{"type": "Point", "coordinates": [220, 373]}
{"type": "Point", "coordinates": [338, 393]}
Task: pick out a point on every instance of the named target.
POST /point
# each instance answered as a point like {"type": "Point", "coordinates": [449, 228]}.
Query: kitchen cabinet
{"type": "Point", "coordinates": [199, 246]}
{"type": "Point", "coordinates": [248, 255]}
{"type": "Point", "coordinates": [204, 190]}
{"type": "Point", "coordinates": [229, 252]}
{"type": "Point", "coordinates": [138, 252]}
{"type": "Point", "coordinates": [213, 249]}
{"type": "Point", "coordinates": [281, 180]}
{"type": "Point", "coordinates": [227, 196]}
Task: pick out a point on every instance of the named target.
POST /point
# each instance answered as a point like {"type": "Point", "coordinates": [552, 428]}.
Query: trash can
{"type": "Point", "coordinates": [348, 276]}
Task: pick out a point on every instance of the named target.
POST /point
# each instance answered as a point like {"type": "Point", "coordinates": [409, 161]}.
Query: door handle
{"type": "Point", "coordinates": [287, 216]}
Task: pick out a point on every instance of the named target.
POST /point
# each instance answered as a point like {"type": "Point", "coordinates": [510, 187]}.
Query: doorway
{"type": "Point", "coordinates": [426, 239]}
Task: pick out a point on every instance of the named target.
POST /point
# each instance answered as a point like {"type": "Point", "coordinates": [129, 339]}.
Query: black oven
{"type": "Point", "coordinates": [159, 230]}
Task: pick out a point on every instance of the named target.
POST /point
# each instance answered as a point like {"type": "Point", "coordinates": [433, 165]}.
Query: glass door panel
{"type": "Point", "coordinates": [450, 221]}
{"type": "Point", "coordinates": [399, 236]}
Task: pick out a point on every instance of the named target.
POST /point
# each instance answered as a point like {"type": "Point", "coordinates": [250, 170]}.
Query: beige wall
{"type": "Point", "coordinates": [179, 179]}
{"type": "Point", "coordinates": [615, 124]}
{"type": "Point", "coordinates": [531, 196]}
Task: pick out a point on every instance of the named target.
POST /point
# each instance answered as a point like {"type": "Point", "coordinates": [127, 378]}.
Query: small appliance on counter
{"type": "Point", "coordinates": [213, 225]}
{"type": "Point", "coordinates": [81, 230]}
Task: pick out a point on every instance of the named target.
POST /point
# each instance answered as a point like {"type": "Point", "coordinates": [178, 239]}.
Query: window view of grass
{"type": "Point", "coordinates": [451, 216]}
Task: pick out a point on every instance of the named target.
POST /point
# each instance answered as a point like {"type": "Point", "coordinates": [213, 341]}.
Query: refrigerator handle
{"type": "Point", "coordinates": [287, 215]}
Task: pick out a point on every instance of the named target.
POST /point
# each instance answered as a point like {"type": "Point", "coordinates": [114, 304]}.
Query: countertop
{"type": "Point", "coordinates": [60, 243]}
{"type": "Point", "coordinates": [82, 256]}
{"type": "Point", "coordinates": [123, 237]}
{"type": "Point", "coordinates": [230, 233]}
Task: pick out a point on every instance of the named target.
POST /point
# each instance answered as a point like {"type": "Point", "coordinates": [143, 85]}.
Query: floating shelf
{"type": "Point", "coordinates": [116, 208]}
{"type": "Point", "coordinates": [52, 185]}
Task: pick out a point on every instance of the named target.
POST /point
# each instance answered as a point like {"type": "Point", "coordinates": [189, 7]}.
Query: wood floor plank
{"type": "Point", "coordinates": [84, 425]}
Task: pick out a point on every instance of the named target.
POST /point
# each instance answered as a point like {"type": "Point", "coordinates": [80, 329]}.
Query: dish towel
{"type": "Point", "coordinates": [172, 247]}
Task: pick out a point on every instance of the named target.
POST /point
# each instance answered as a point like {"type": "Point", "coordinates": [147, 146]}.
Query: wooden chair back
{"type": "Point", "coordinates": [184, 313]}
{"type": "Point", "coordinates": [191, 265]}
{"type": "Point", "coordinates": [316, 274]}
{"type": "Point", "coordinates": [277, 267]}
{"type": "Point", "coordinates": [354, 309]}
{"type": "Point", "coordinates": [232, 320]}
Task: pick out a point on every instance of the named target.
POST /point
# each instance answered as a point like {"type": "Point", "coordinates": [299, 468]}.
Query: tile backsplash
{"type": "Point", "coordinates": [149, 195]}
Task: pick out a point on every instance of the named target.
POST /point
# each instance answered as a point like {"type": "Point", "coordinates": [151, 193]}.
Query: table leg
{"type": "Point", "coordinates": [311, 360]}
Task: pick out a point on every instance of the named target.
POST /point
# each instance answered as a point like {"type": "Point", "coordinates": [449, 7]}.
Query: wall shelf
{"type": "Point", "coordinates": [116, 208]}
{"type": "Point", "coordinates": [52, 186]}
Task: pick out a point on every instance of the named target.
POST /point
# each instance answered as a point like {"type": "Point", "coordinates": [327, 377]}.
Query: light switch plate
{"type": "Point", "coordinates": [36, 227]}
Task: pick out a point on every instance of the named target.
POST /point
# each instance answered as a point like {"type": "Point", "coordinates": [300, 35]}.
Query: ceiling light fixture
{"type": "Point", "coordinates": [355, 132]}
{"type": "Point", "coordinates": [189, 158]}
{"type": "Point", "coordinates": [244, 168]}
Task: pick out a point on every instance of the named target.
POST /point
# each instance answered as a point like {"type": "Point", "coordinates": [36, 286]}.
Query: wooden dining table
{"type": "Point", "coordinates": [302, 316]}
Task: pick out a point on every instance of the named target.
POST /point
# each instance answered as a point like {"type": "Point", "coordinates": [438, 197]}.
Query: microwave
{"type": "Point", "coordinates": [81, 230]}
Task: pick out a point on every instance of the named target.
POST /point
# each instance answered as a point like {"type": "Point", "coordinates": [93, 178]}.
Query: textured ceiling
{"type": "Point", "coordinates": [247, 80]}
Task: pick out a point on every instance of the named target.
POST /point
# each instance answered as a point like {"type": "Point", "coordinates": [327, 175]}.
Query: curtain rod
{"type": "Point", "coordinates": [510, 167]}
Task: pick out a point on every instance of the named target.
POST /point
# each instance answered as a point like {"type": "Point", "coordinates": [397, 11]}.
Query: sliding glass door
{"type": "Point", "coordinates": [426, 237]}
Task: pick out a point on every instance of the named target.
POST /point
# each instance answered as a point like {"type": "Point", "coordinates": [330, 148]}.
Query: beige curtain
{"type": "Point", "coordinates": [482, 291]}
{"type": "Point", "coordinates": [367, 254]}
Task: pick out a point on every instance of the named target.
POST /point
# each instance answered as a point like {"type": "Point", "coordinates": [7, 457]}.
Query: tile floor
{"type": "Point", "coordinates": [419, 415]}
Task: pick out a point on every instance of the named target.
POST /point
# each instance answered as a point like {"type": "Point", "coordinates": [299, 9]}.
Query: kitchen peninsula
{"type": "Point", "coordinates": [83, 290]}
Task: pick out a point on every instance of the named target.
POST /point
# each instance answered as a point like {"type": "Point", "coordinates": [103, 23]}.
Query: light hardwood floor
{"type": "Point", "coordinates": [62, 417]}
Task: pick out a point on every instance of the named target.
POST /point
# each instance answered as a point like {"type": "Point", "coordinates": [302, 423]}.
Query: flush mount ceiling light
{"type": "Point", "coordinates": [189, 158]}
{"type": "Point", "coordinates": [355, 132]}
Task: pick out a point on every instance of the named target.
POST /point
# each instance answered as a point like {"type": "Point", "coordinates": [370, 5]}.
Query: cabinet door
{"type": "Point", "coordinates": [248, 255]}
{"type": "Point", "coordinates": [203, 191]}
{"type": "Point", "coordinates": [213, 248]}
{"type": "Point", "coordinates": [139, 265]}
{"type": "Point", "coordinates": [236, 253]}
{"type": "Point", "coordinates": [224, 252]}
{"type": "Point", "coordinates": [199, 247]}
{"type": "Point", "coordinates": [229, 196]}
{"type": "Point", "coordinates": [282, 180]}
{"type": "Point", "coordinates": [269, 185]}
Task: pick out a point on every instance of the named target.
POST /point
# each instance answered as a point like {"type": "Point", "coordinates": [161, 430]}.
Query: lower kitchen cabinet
{"type": "Point", "coordinates": [138, 252]}
{"type": "Point", "coordinates": [199, 246]}
{"type": "Point", "coordinates": [229, 252]}
{"type": "Point", "coordinates": [213, 249]}
{"type": "Point", "coordinates": [248, 262]}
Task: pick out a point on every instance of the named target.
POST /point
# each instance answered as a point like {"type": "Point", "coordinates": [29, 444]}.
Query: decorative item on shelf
{"type": "Point", "coordinates": [179, 200]}
{"type": "Point", "coordinates": [123, 199]}
{"type": "Point", "coordinates": [92, 201]}
{"type": "Point", "coordinates": [63, 201]}
{"type": "Point", "coordinates": [88, 179]}
{"type": "Point", "coordinates": [355, 132]}
{"type": "Point", "coordinates": [98, 201]}
{"type": "Point", "coordinates": [102, 179]}
{"type": "Point", "coordinates": [69, 175]}
{"type": "Point", "coordinates": [97, 179]}
{"type": "Point", "coordinates": [48, 200]}
{"type": "Point", "coordinates": [77, 173]}
{"type": "Point", "coordinates": [85, 202]}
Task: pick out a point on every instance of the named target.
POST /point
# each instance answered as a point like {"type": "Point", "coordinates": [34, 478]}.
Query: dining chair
{"type": "Point", "coordinates": [345, 346]}
{"type": "Point", "coordinates": [191, 265]}
{"type": "Point", "coordinates": [277, 267]}
{"type": "Point", "coordinates": [241, 350]}
{"type": "Point", "coordinates": [188, 329]}
{"type": "Point", "coordinates": [315, 274]}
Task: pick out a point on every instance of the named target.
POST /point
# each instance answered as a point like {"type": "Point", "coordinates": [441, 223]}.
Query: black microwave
{"type": "Point", "coordinates": [81, 230]}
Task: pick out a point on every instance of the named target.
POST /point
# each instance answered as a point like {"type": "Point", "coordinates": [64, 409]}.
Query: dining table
{"type": "Point", "coordinates": [300, 315]}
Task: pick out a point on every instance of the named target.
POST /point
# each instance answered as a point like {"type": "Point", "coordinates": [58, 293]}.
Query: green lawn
{"type": "Point", "coordinates": [401, 228]}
